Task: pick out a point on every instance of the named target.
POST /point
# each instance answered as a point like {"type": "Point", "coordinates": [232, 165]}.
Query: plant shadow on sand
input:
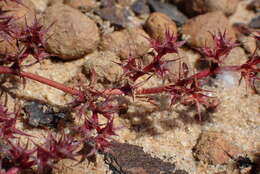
{"type": "Point", "coordinates": [149, 121]}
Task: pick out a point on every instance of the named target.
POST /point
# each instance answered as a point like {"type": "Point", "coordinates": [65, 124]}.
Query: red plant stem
{"type": "Point", "coordinates": [72, 91]}
{"type": "Point", "coordinates": [75, 92]}
{"type": "Point", "coordinates": [66, 89]}
{"type": "Point", "coordinates": [200, 75]}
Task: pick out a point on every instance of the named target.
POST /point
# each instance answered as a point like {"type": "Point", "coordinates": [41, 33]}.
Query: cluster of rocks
{"type": "Point", "coordinates": [76, 31]}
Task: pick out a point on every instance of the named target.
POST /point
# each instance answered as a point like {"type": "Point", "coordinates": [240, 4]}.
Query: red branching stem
{"type": "Point", "coordinates": [75, 92]}
{"type": "Point", "coordinates": [66, 89]}
{"type": "Point", "coordinates": [145, 91]}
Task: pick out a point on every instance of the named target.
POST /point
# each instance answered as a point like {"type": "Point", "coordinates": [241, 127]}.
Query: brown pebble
{"type": "Point", "coordinates": [104, 65]}
{"type": "Point", "coordinates": [115, 15]}
{"type": "Point", "coordinates": [158, 23]}
{"type": "Point", "coordinates": [131, 159]}
{"type": "Point", "coordinates": [213, 148]}
{"type": "Point", "coordinates": [125, 43]}
{"type": "Point", "coordinates": [19, 12]}
{"type": "Point", "coordinates": [82, 5]}
{"type": "Point", "coordinates": [198, 29]}
{"type": "Point", "coordinates": [195, 7]}
{"type": "Point", "coordinates": [73, 34]}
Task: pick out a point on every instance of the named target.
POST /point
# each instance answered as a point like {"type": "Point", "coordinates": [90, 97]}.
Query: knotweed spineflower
{"type": "Point", "coordinates": [169, 45]}
{"type": "Point", "coordinates": [55, 148]}
{"type": "Point", "coordinates": [8, 124]}
{"type": "Point", "coordinates": [32, 39]}
{"type": "Point", "coordinates": [20, 157]}
{"type": "Point", "coordinates": [218, 53]}
{"type": "Point", "coordinates": [249, 71]}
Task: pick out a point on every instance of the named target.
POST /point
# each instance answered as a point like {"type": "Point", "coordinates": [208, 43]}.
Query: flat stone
{"type": "Point", "coordinates": [115, 15]}
{"type": "Point", "coordinates": [213, 148]}
{"type": "Point", "coordinates": [168, 9]}
{"type": "Point", "coordinates": [140, 7]}
{"type": "Point", "coordinates": [43, 115]}
{"type": "Point", "coordinates": [255, 23]}
{"type": "Point", "coordinates": [131, 159]}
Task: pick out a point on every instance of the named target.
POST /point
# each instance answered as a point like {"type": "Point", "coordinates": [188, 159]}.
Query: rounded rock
{"type": "Point", "coordinates": [199, 29]}
{"type": "Point", "coordinates": [194, 7]}
{"type": "Point", "coordinates": [20, 13]}
{"type": "Point", "coordinates": [158, 23]}
{"type": "Point", "coordinates": [82, 5]}
{"type": "Point", "coordinates": [72, 35]}
{"type": "Point", "coordinates": [213, 148]}
{"type": "Point", "coordinates": [23, 13]}
{"type": "Point", "coordinates": [104, 65]}
{"type": "Point", "coordinates": [125, 43]}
